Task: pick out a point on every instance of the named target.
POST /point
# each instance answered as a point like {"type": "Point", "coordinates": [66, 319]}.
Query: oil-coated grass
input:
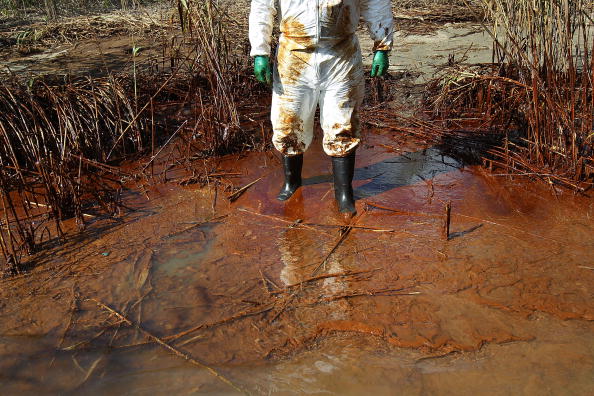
{"type": "Point", "coordinates": [539, 93]}
{"type": "Point", "coordinates": [51, 134]}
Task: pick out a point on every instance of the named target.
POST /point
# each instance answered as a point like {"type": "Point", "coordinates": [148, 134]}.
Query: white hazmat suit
{"type": "Point", "coordinates": [318, 61]}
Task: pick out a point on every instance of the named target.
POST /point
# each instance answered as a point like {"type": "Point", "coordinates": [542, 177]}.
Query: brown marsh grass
{"type": "Point", "coordinates": [61, 140]}
{"type": "Point", "coordinates": [538, 93]}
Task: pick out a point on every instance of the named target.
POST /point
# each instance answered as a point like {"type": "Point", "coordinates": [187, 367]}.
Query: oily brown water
{"type": "Point", "coordinates": [272, 297]}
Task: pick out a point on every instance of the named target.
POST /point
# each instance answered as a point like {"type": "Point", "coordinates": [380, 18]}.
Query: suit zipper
{"type": "Point", "coordinates": [318, 27]}
{"type": "Point", "coordinates": [318, 34]}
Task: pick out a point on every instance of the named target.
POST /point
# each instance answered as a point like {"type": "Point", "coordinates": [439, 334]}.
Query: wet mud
{"type": "Point", "coordinates": [288, 298]}
{"type": "Point", "coordinates": [274, 297]}
{"type": "Point", "coordinates": [89, 57]}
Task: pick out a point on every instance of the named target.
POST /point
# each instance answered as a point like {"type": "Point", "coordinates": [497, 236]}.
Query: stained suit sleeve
{"type": "Point", "coordinates": [262, 14]}
{"type": "Point", "coordinates": [377, 15]}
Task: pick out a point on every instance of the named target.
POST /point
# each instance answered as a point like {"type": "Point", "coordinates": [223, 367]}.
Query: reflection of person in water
{"type": "Point", "coordinates": [300, 251]}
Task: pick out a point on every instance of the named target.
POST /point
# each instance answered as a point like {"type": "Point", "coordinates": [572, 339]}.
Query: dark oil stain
{"type": "Point", "coordinates": [380, 45]}
{"type": "Point", "coordinates": [294, 51]}
{"type": "Point", "coordinates": [344, 141]}
{"type": "Point", "coordinates": [294, 29]}
{"type": "Point", "coordinates": [291, 144]}
{"type": "Point", "coordinates": [290, 127]}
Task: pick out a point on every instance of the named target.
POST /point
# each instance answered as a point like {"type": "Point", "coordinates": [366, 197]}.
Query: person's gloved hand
{"type": "Point", "coordinates": [262, 69]}
{"type": "Point", "coordinates": [380, 64]}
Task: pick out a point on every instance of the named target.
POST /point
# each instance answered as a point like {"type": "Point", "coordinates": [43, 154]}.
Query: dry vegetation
{"type": "Point", "coordinates": [538, 96]}
{"type": "Point", "coordinates": [438, 10]}
{"type": "Point", "coordinates": [33, 32]}
{"type": "Point", "coordinates": [52, 9]}
{"type": "Point", "coordinates": [62, 139]}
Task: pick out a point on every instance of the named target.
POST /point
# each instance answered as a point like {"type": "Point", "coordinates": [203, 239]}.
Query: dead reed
{"type": "Point", "coordinates": [433, 11]}
{"type": "Point", "coordinates": [538, 94]}
{"type": "Point", "coordinates": [29, 29]}
{"type": "Point", "coordinates": [216, 57]}
{"type": "Point", "coordinates": [55, 137]}
{"type": "Point", "coordinates": [55, 8]}
{"type": "Point", "coordinates": [61, 140]}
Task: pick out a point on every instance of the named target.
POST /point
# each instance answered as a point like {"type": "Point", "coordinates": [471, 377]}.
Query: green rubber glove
{"type": "Point", "coordinates": [380, 64]}
{"type": "Point", "coordinates": [262, 69]}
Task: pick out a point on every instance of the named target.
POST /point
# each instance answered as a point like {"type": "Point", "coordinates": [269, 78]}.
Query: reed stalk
{"type": "Point", "coordinates": [53, 138]}
{"type": "Point", "coordinates": [539, 92]}
{"type": "Point", "coordinates": [205, 23]}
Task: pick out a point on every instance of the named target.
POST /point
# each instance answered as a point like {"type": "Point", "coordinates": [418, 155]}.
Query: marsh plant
{"type": "Point", "coordinates": [205, 24]}
{"type": "Point", "coordinates": [538, 92]}
{"type": "Point", "coordinates": [550, 43]}
{"type": "Point", "coordinates": [55, 137]}
{"type": "Point", "coordinates": [61, 140]}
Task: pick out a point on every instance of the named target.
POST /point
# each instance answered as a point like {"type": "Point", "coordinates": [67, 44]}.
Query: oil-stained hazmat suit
{"type": "Point", "coordinates": [318, 62]}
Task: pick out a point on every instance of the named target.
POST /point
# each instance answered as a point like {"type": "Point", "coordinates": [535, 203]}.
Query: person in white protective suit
{"type": "Point", "coordinates": [318, 61]}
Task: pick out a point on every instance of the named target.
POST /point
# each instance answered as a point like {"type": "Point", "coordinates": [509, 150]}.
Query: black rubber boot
{"type": "Point", "coordinates": [344, 170]}
{"type": "Point", "coordinates": [292, 166]}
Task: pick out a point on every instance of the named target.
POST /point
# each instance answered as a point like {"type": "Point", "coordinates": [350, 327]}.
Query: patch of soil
{"type": "Point", "coordinates": [21, 36]}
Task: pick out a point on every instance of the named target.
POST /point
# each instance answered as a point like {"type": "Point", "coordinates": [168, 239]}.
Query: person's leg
{"type": "Point", "coordinates": [340, 102]}
{"type": "Point", "coordinates": [293, 106]}
{"type": "Point", "coordinates": [343, 169]}
{"type": "Point", "coordinates": [292, 166]}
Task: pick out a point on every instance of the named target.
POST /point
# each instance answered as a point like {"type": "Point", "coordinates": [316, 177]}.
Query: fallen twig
{"type": "Point", "coordinates": [214, 219]}
{"type": "Point", "coordinates": [266, 280]}
{"type": "Point", "coordinates": [37, 204]}
{"type": "Point", "coordinates": [165, 345]}
{"type": "Point", "coordinates": [402, 212]}
{"type": "Point", "coordinates": [291, 223]}
{"type": "Point", "coordinates": [233, 197]}
{"type": "Point", "coordinates": [335, 275]}
{"type": "Point", "coordinates": [390, 292]}
{"type": "Point", "coordinates": [104, 167]}
{"type": "Point", "coordinates": [163, 147]}
{"type": "Point", "coordinates": [363, 228]}
{"type": "Point", "coordinates": [447, 219]}
{"type": "Point", "coordinates": [345, 233]}
{"type": "Point", "coordinates": [91, 369]}
{"type": "Point", "coordinates": [240, 315]}
{"type": "Point", "coordinates": [504, 226]}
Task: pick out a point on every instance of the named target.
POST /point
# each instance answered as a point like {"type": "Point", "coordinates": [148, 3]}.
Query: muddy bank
{"type": "Point", "coordinates": [95, 57]}
{"type": "Point", "coordinates": [509, 291]}
{"type": "Point", "coordinates": [413, 53]}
